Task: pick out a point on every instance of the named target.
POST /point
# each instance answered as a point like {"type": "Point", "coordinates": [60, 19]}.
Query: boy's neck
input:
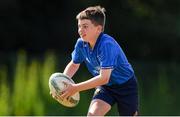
{"type": "Point", "coordinates": [92, 42]}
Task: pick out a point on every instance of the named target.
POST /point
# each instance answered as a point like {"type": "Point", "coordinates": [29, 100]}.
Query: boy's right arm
{"type": "Point", "coordinates": [71, 69]}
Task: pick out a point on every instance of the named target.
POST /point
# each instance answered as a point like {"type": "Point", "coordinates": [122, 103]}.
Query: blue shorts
{"type": "Point", "coordinates": [125, 95]}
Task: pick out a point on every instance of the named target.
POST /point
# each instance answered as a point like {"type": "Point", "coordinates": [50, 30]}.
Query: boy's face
{"type": "Point", "coordinates": [87, 30]}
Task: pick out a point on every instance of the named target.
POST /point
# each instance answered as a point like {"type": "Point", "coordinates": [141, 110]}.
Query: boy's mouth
{"type": "Point", "coordinates": [83, 35]}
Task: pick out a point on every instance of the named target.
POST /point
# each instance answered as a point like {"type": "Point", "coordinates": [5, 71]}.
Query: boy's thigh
{"type": "Point", "coordinates": [101, 103]}
{"type": "Point", "coordinates": [98, 108]}
{"type": "Point", "coordinates": [127, 98]}
{"type": "Point", "coordinates": [128, 105]}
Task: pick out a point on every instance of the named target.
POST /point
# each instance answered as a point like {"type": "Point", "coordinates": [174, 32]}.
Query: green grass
{"type": "Point", "coordinates": [29, 87]}
{"type": "Point", "coordinates": [25, 91]}
{"type": "Point", "coordinates": [4, 92]}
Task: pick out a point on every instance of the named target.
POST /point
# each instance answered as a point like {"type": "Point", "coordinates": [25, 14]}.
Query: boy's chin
{"type": "Point", "coordinates": [84, 39]}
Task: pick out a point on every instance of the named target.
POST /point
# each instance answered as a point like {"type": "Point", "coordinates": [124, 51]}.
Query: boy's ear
{"type": "Point", "coordinates": [100, 28]}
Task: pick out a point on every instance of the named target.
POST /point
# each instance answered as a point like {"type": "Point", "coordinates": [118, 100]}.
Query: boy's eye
{"type": "Point", "coordinates": [85, 26]}
{"type": "Point", "coordinates": [82, 26]}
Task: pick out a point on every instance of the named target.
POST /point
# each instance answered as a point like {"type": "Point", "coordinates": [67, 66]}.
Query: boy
{"type": "Point", "coordinates": [114, 77]}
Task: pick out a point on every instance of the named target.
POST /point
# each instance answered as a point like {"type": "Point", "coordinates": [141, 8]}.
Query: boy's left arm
{"type": "Point", "coordinates": [101, 79]}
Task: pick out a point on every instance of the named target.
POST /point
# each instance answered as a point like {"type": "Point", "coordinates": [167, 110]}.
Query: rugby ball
{"type": "Point", "coordinates": [57, 85]}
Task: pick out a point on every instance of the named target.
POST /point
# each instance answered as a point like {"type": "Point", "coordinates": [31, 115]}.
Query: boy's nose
{"type": "Point", "coordinates": [80, 31]}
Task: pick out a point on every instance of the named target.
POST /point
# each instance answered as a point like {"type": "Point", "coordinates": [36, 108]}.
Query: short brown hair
{"type": "Point", "coordinates": [94, 13]}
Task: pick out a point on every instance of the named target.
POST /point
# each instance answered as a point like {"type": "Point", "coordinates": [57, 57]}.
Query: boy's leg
{"type": "Point", "coordinates": [128, 105]}
{"type": "Point", "coordinates": [101, 103]}
{"type": "Point", "coordinates": [98, 108]}
{"type": "Point", "coordinates": [128, 98]}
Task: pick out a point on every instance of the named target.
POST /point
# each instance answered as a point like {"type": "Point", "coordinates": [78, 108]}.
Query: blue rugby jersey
{"type": "Point", "coordinates": [106, 54]}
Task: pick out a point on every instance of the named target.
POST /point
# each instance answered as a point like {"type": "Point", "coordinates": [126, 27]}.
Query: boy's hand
{"type": "Point", "coordinates": [69, 91]}
{"type": "Point", "coordinates": [55, 96]}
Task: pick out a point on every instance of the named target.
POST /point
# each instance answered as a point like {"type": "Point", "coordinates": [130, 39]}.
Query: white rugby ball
{"type": "Point", "coordinates": [56, 86]}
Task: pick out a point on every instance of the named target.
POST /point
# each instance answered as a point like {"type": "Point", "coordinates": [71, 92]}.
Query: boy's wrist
{"type": "Point", "coordinates": [76, 86]}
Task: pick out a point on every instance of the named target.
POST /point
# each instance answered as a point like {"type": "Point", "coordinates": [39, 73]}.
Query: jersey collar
{"type": "Point", "coordinates": [98, 40]}
{"type": "Point", "coordinates": [85, 44]}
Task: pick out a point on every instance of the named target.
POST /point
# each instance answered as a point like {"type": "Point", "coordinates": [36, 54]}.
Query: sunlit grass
{"type": "Point", "coordinates": [30, 82]}
{"type": "Point", "coordinates": [48, 67]}
{"type": "Point", "coordinates": [19, 90]}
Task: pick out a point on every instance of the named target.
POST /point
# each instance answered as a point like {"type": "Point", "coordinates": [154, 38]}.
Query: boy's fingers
{"type": "Point", "coordinates": [53, 96]}
{"type": "Point", "coordinates": [56, 97]}
{"type": "Point", "coordinates": [65, 83]}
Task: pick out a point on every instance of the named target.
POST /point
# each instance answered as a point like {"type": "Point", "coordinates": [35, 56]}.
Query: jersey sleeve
{"type": "Point", "coordinates": [107, 55]}
{"type": "Point", "coordinates": [76, 55]}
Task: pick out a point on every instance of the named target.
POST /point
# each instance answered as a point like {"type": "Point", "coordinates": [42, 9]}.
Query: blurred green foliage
{"type": "Point", "coordinates": [140, 26]}
{"type": "Point", "coordinates": [27, 93]}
